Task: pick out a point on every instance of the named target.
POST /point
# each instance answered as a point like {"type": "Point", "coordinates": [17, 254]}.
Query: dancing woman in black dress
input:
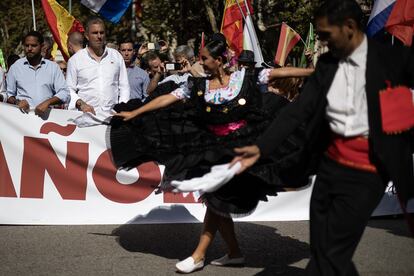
{"type": "Point", "coordinates": [197, 126]}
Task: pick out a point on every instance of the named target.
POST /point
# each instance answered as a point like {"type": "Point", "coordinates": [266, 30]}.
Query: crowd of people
{"type": "Point", "coordinates": [98, 74]}
{"type": "Point", "coordinates": [278, 126]}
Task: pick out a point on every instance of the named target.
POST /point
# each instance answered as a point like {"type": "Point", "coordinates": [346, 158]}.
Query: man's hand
{"type": "Point", "coordinates": [41, 108]}
{"type": "Point", "coordinates": [24, 106]}
{"type": "Point", "coordinates": [248, 156]}
{"type": "Point", "coordinates": [186, 66]}
{"type": "Point", "coordinates": [84, 107]}
{"type": "Point", "coordinates": [309, 57]}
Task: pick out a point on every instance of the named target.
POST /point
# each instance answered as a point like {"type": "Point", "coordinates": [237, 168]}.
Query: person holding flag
{"type": "Point", "coordinates": [307, 58]}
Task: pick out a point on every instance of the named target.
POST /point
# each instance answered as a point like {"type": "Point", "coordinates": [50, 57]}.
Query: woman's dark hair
{"type": "Point", "coordinates": [217, 48]}
{"type": "Point", "coordinates": [338, 11]}
{"type": "Point", "coordinates": [219, 37]}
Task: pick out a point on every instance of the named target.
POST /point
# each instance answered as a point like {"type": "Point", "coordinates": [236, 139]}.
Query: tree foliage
{"type": "Point", "coordinates": [176, 21]}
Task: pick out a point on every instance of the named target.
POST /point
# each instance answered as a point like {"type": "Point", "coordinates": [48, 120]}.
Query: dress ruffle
{"type": "Point", "coordinates": [178, 137]}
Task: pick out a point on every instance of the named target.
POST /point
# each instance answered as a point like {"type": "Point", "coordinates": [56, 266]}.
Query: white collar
{"type": "Point", "coordinates": [358, 56]}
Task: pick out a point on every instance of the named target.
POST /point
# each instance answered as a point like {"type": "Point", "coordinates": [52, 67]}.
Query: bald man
{"type": "Point", "coordinates": [75, 42]}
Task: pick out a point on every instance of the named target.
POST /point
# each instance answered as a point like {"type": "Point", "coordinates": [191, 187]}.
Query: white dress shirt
{"type": "Point", "coordinates": [100, 84]}
{"type": "Point", "coordinates": [347, 109]}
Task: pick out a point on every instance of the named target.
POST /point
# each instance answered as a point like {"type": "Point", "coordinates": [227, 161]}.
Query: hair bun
{"type": "Point", "coordinates": [217, 48]}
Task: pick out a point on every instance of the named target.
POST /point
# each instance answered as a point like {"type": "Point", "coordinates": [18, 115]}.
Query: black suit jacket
{"type": "Point", "coordinates": [391, 153]}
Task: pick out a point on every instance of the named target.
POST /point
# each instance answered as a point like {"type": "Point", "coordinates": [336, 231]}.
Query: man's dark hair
{"type": "Point", "coordinates": [93, 20]}
{"type": "Point", "coordinates": [36, 34]}
{"type": "Point", "coordinates": [338, 11]}
{"type": "Point", "coordinates": [124, 41]}
{"type": "Point", "coordinates": [151, 55]}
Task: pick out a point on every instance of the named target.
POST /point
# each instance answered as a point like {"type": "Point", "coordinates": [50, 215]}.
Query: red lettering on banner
{"type": "Point", "coordinates": [39, 157]}
{"type": "Point", "coordinates": [104, 175]}
{"type": "Point", "coordinates": [6, 183]}
{"type": "Point", "coordinates": [170, 197]}
{"type": "Point", "coordinates": [61, 130]}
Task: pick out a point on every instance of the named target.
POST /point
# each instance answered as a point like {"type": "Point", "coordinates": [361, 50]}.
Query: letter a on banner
{"type": "Point", "coordinates": [6, 184]}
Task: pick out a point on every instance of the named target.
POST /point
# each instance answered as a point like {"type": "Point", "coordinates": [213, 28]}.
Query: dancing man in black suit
{"type": "Point", "coordinates": [354, 156]}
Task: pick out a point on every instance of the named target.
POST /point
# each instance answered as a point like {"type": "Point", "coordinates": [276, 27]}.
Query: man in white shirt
{"type": "Point", "coordinates": [347, 145]}
{"type": "Point", "coordinates": [96, 75]}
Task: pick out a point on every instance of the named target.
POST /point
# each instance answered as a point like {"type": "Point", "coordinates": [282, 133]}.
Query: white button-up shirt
{"type": "Point", "coordinates": [100, 84]}
{"type": "Point", "coordinates": [347, 109]}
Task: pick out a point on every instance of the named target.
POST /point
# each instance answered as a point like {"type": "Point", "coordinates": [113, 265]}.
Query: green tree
{"type": "Point", "coordinates": [176, 21]}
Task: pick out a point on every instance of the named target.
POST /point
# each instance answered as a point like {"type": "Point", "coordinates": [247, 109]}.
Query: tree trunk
{"type": "Point", "coordinates": [211, 16]}
{"type": "Point", "coordinates": [260, 23]}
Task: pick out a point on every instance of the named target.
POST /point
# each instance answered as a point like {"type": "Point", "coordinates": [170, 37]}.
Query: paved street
{"type": "Point", "coordinates": [271, 248]}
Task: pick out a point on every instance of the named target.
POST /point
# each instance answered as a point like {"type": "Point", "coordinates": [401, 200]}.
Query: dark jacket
{"type": "Point", "coordinates": [393, 154]}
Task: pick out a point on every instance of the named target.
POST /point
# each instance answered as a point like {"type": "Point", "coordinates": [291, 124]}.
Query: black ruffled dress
{"type": "Point", "coordinates": [181, 138]}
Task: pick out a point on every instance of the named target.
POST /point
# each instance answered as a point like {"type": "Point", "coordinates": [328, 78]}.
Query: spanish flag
{"type": "Point", "coordinates": [138, 9]}
{"type": "Point", "coordinates": [287, 40]}
{"type": "Point", "coordinates": [61, 23]}
{"type": "Point", "coordinates": [232, 24]}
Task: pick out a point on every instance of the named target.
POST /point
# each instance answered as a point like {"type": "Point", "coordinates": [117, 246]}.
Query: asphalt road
{"type": "Point", "coordinates": [271, 248]}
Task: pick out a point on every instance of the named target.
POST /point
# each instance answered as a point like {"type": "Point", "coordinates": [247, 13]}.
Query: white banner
{"type": "Point", "coordinates": [52, 172]}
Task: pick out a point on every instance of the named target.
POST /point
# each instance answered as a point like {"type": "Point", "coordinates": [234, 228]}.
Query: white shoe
{"type": "Point", "coordinates": [188, 265]}
{"type": "Point", "coordinates": [227, 261]}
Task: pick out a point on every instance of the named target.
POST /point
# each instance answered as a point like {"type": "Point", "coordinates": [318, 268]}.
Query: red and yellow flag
{"type": "Point", "coordinates": [138, 9]}
{"type": "Point", "coordinates": [401, 21]}
{"type": "Point", "coordinates": [61, 23]}
{"type": "Point", "coordinates": [232, 24]}
{"type": "Point", "coordinates": [287, 40]}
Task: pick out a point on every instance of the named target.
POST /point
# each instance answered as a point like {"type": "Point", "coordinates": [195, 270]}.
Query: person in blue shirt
{"type": "Point", "coordinates": [138, 79]}
{"type": "Point", "coordinates": [34, 82]}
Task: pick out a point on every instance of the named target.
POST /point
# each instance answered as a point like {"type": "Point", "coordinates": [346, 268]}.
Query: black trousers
{"type": "Point", "coordinates": [342, 202]}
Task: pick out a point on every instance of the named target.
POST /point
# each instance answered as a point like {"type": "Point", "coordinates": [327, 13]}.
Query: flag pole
{"type": "Point", "coordinates": [241, 10]}
{"type": "Point", "coordinates": [133, 20]}
{"type": "Point", "coordinates": [254, 35]}
{"type": "Point", "coordinates": [70, 7]}
{"type": "Point", "coordinates": [247, 7]}
{"type": "Point", "coordinates": [34, 16]}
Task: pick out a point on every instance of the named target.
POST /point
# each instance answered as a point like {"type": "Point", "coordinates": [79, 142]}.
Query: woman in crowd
{"type": "Point", "coordinates": [197, 126]}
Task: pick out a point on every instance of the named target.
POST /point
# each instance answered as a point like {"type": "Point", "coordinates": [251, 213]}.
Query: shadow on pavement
{"type": "Point", "coordinates": [398, 227]}
{"type": "Point", "coordinates": [262, 245]}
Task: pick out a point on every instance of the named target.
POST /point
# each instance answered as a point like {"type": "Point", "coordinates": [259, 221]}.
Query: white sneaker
{"type": "Point", "coordinates": [188, 265]}
{"type": "Point", "coordinates": [227, 261]}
